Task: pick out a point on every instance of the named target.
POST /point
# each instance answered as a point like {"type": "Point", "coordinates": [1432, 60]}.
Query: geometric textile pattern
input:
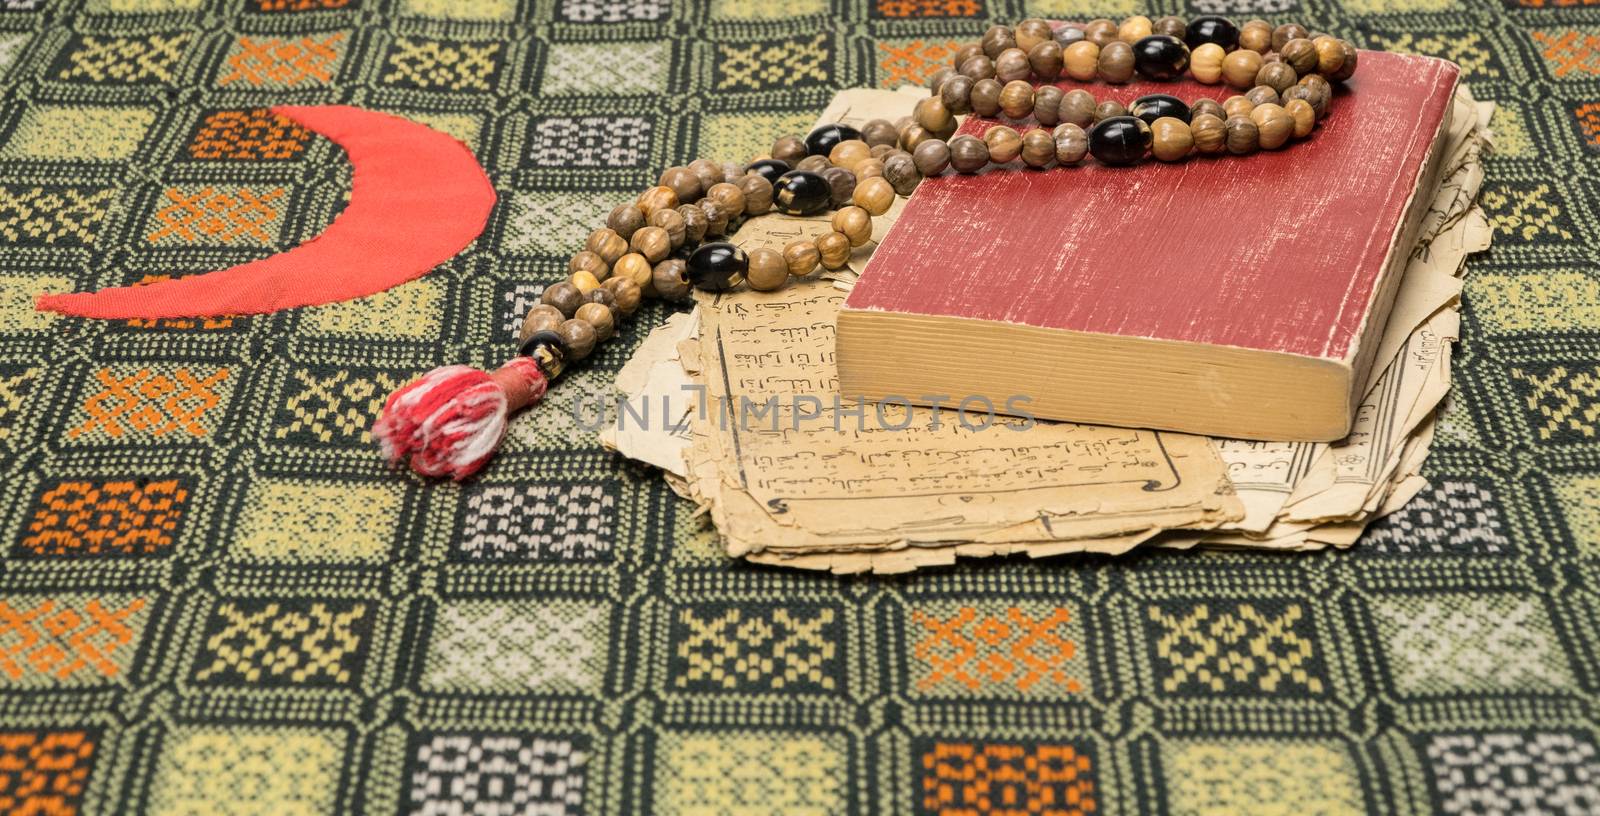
{"type": "Point", "coordinates": [216, 597]}
{"type": "Point", "coordinates": [67, 216]}
{"type": "Point", "coordinates": [441, 66]}
{"type": "Point", "coordinates": [961, 778]}
{"type": "Point", "coordinates": [496, 773]}
{"type": "Point", "coordinates": [544, 646]}
{"type": "Point", "coordinates": [1450, 516]}
{"type": "Point", "coordinates": [1514, 773]}
{"type": "Point", "coordinates": [743, 772]}
{"type": "Point", "coordinates": [256, 643]}
{"type": "Point", "coordinates": [787, 649]}
{"type": "Point", "coordinates": [1240, 776]}
{"type": "Point", "coordinates": [539, 523]}
{"type": "Point", "coordinates": [275, 63]}
{"type": "Point", "coordinates": [247, 769]}
{"type": "Point", "coordinates": [44, 772]}
{"type": "Point", "coordinates": [1438, 644]}
{"type": "Point", "coordinates": [1244, 647]}
{"type": "Point", "coordinates": [995, 649]}
{"type": "Point", "coordinates": [212, 215]}
{"type": "Point", "coordinates": [77, 518]}
{"type": "Point", "coordinates": [247, 135]}
{"type": "Point", "coordinates": [69, 641]}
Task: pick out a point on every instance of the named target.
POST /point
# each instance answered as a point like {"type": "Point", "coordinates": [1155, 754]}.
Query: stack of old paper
{"type": "Point", "coordinates": [737, 403]}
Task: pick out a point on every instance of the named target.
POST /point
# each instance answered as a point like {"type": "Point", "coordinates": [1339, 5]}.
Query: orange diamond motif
{"type": "Point", "coordinates": [913, 62]}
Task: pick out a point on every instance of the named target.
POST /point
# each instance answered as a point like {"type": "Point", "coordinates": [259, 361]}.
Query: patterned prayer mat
{"type": "Point", "coordinates": [215, 598]}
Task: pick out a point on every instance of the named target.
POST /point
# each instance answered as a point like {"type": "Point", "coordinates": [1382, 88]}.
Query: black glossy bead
{"type": "Point", "coordinates": [1160, 57]}
{"type": "Point", "coordinates": [548, 351]}
{"type": "Point", "coordinates": [801, 192]}
{"type": "Point", "coordinates": [1151, 107]}
{"type": "Point", "coordinates": [1211, 29]}
{"type": "Point", "coordinates": [769, 169]}
{"type": "Point", "coordinates": [717, 267]}
{"type": "Point", "coordinates": [820, 142]}
{"type": "Point", "coordinates": [1119, 140]}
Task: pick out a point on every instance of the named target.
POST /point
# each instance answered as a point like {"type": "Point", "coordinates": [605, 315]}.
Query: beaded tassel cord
{"type": "Point", "coordinates": [449, 422]}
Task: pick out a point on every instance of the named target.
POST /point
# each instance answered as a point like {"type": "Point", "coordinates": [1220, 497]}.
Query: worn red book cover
{"type": "Point", "coordinates": [1289, 253]}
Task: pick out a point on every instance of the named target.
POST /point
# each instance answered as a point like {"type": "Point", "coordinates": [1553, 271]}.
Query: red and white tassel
{"type": "Point", "coordinates": [449, 422]}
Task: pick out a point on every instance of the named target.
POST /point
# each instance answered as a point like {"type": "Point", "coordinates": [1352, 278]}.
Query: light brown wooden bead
{"type": "Point", "coordinates": [626, 291]}
{"type": "Point", "coordinates": [1330, 56]}
{"type": "Point", "coordinates": [1038, 148]}
{"type": "Point", "coordinates": [1082, 60]}
{"type": "Point", "coordinates": [979, 67]}
{"type": "Point", "coordinates": [1209, 134]}
{"type": "Point", "coordinates": [1072, 143]}
{"type": "Point", "coordinates": [1134, 29]}
{"type": "Point", "coordinates": [1347, 68]}
{"type": "Point", "coordinates": [956, 93]}
{"type": "Point", "coordinates": [1239, 69]}
{"type": "Point", "coordinates": [652, 242]}
{"type": "Point", "coordinates": [671, 221]}
{"type": "Point", "coordinates": [882, 151]}
{"type": "Point", "coordinates": [1032, 32]}
{"type": "Point", "coordinates": [670, 279]}
{"type": "Point", "coordinates": [1278, 76]}
{"type": "Point", "coordinates": [912, 135]}
{"type": "Point", "coordinates": [591, 262]}
{"type": "Point", "coordinates": [1318, 91]}
{"type": "Point", "coordinates": [624, 220]}
{"type": "Point", "coordinates": [1274, 125]}
{"type": "Point", "coordinates": [1175, 27]}
{"type": "Point", "coordinates": [579, 338]}
{"type": "Point", "coordinates": [1263, 95]}
{"type": "Point", "coordinates": [1243, 136]}
{"type": "Point", "coordinates": [598, 316]}
{"type": "Point", "coordinates": [694, 223]}
{"type": "Point", "coordinates": [1012, 64]}
{"type": "Point", "coordinates": [1205, 63]}
{"type": "Point", "coordinates": [1005, 144]}
{"type": "Point", "coordinates": [542, 317]}
{"type": "Point", "coordinates": [1305, 118]}
{"type": "Point", "coordinates": [1046, 60]}
{"type": "Point", "coordinates": [1047, 105]}
{"type": "Point", "coordinates": [801, 257]}
{"type": "Point", "coordinates": [937, 79]}
{"type": "Point", "coordinates": [834, 250]}
{"type": "Point", "coordinates": [1207, 105]}
{"type": "Point", "coordinates": [683, 183]}
{"type": "Point", "coordinates": [767, 270]}
{"type": "Point", "coordinates": [729, 196]}
{"type": "Point", "coordinates": [1255, 35]}
{"type": "Point", "coordinates": [634, 267]}
{"type": "Point", "coordinates": [757, 193]}
{"type": "Point", "coordinates": [1170, 139]}
{"type": "Point", "coordinates": [1016, 99]}
{"type": "Point", "coordinates": [965, 53]}
{"type": "Point", "coordinates": [708, 171]}
{"type": "Point", "coordinates": [854, 223]}
{"type": "Point", "coordinates": [1300, 55]}
{"type": "Point", "coordinates": [813, 164]}
{"type": "Point", "coordinates": [997, 39]}
{"type": "Point", "coordinates": [985, 101]}
{"type": "Point", "coordinates": [968, 154]}
{"type": "Point", "coordinates": [874, 195]}
{"type": "Point", "coordinates": [1077, 108]}
{"type": "Point", "coordinates": [931, 113]}
{"type": "Point", "coordinates": [584, 281]}
{"type": "Point", "coordinates": [879, 132]}
{"type": "Point", "coordinates": [606, 243]}
{"type": "Point", "coordinates": [717, 216]}
{"type": "Point", "coordinates": [871, 168]}
{"type": "Point", "coordinates": [656, 198]}
{"type": "Point", "coordinates": [841, 185]}
{"type": "Point", "coordinates": [731, 171]}
{"type": "Point", "coordinates": [1237, 106]}
{"type": "Point", "coordinates": [563, 296]}
{"type": "Point", "coordinates": [603, 297]}
{"type": "Point", "coordinates": [1109, 108]}
{"type": "Point", "coordinates": [901, 172]}
{"type": "Point", "coordinates": [789, 149]}
{"type": "Point", "coordinates": [1286, 32]}
{"type": "Point", "coordinates": [1116, 63]}
{"type": "Point", "coordinates": [932, 157]}
{"type": "Point", "coordinates": [850, 153]}
{"type": "Point", "coordinates": [1100, 31]}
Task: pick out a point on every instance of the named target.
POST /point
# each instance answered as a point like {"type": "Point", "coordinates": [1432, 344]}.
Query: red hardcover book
{"type": "Point", "coordinates": [1231, 296]}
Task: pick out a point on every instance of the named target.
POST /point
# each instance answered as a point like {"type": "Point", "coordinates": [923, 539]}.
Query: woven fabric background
{"type": "Point", "coordinates": [215, 598]}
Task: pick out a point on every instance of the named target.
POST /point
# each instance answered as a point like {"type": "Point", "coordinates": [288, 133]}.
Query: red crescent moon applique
{"type": "Point", "coordinates": [417, 198]}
